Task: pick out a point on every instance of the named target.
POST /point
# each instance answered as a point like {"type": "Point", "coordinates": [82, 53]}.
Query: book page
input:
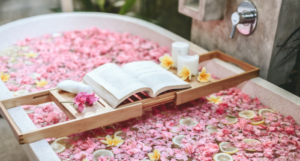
{"type": "Point", "coordinates": [115, 80]}
{"type": "Point", "coordinates": [153, 75]}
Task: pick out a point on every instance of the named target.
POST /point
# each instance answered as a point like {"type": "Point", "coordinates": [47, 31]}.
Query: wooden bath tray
{"type": "Point", "coordinates": [101, 114]}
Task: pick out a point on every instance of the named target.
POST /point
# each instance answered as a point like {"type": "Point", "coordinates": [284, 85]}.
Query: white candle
{"type": "Point", "coordinates": [179, 48]}
{"type": "Point", "coordinates": [191, 62]}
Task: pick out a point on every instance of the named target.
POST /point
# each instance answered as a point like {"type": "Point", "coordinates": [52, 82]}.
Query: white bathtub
{"type": "Point", "coordinates": [269, 94]}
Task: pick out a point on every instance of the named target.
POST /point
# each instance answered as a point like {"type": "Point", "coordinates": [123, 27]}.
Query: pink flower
{"type": "Point", "coordinates": [82, 98]}
{"type": "Point", "coordinates": [198, 127]}
{"type": "Point", "coordinates": [289, 130]}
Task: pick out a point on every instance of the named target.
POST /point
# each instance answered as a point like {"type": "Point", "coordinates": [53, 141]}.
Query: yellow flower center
{"type": "Point", "coordinates": [41, 83]}
{"type": "Point", "coordinates": [166, 61]}
{"type": "Point", "coordinates": [4, 77]}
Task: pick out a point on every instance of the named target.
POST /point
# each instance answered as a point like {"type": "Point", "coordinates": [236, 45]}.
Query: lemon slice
{"type": "Point", "coordinates": [58, 148]}
{"type": "Point", "coordinates": [120, 134]}
{"type": "Point", "coordinates": [248, 114]}
{"type": "Point", "coordinates": [190, 122]}
{"type": "Point", "coordinates": [228, 148]}
{"type": "Point", "coordinates": [175, 129]}
{"type": "Point", "coordinates": [257, 122]}
{"type": "Point", "coordinates": [212, 129]}
{"type": "Point", "coordinates": [263, 111]}
{"type": "Point", "coordinates": [177, 139]}
{"type": "Point", "coordinates": [21, 92]}
{"type": "Point", "coordinates": [102, 153]}
{"type": "Point", "coordinates": [231, 119]}
{"type": "Point", "coordinates": [251, 142]}
{"type": "Point", "coordinates": [222, 157]}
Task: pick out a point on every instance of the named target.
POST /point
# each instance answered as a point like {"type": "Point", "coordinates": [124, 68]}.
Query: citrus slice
{"type": "Point", "coordinates": [58, 148]}
{"type": "Point", "coordinates": [228, 148]}
{"type": "Point", "coordinates": [177, 139]}
{"type": "Point", "coordinates": [21, 92]}
{"type": "Point", "coordinates": [257, 122]}
{"type": "Point", "coordinates": [62, 141]}
{"type": "Point", "coordinates": [190, 122]}
{"type": "Point", "coordinates": [231, 119]}
{"type": "Point", "coordinates": [120, 134]}
{"type": "Point", "coordinates": [251, 143]}
{"type": "Point", "coordinates": [212, 129]}
{"type": "Point", "coordinates": [175, 129]}
{"type": "Point", "coordinates": [222, 157]}
{"type": "Point", "coordinates": [263, 111]}
{"type": "Point", "coordinates": [248, 114]}
{"type": "Point", "coordinates": [102, 153]}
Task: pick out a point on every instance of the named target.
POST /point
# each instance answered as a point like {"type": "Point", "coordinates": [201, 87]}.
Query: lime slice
{"type": "Point", "coordinates": [263, 111]}
{"type": "Point", "coordinates": [251, 142]}
{"type": "Point", "coordinates": [21, 92]}
{"type": "Point", "coordinates": [102, 153]}
{"type": "Point", "coordinates": [175, 129]}
{"type": "Point", "coordinates": [177, 139]}
{"type": "Point", "coordinates": [211, 129]}
{"type": "Point", "coordinates": [120, 134]}
{"type": "Point", "coordinates": [257, 122]}
{"type": "Point", "coordinates": [62, 141]}
{"type": "Point", "coordinates": [248, 114]}
{"type": "Point", "coordinates": [58, 148]}
{"type": "Point", "coordinates": [228, 148]}
{"type": "Point", "coordinates": [190, 122]}
{"type": "Point", "coordinates": [222, 157]}
{"type": "Point", "coordinates": [231, 119]}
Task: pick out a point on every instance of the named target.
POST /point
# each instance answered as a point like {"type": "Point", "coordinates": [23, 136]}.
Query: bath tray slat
{"type": "Point", "coordinates": [101, 114]}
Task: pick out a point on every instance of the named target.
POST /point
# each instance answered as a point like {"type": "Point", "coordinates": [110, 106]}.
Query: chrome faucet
{"type": "Point", "coordinates": [245, 19]}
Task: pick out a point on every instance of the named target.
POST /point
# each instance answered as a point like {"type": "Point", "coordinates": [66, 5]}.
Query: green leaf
{"type": "Point", "coordinates": [101, 4]}
{"type": "Point", "coordinates": [127, 6]}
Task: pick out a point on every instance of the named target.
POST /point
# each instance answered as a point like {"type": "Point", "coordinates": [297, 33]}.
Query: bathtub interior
{"type": "Point", "coordinates": [267, 93]}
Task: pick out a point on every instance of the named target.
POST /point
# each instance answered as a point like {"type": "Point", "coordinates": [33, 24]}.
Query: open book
{"type": "Point", "coordinates": [114, 84]}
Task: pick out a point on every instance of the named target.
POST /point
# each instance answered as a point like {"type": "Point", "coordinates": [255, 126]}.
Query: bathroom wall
{"type": "Point", "coordinates": [276, 18]}
{"type": "Point", "coordinates": [11, 10]}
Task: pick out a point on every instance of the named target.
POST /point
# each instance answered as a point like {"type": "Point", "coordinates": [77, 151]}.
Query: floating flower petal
{"type": "Point", "coordinates": [185, 73]}
{"type": "Point", "coordinates": [203, 76]}
{"type": "Point", "coordinates": [166, 61]}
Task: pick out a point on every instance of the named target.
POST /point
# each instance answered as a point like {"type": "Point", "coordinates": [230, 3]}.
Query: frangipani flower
{"type": "Point", "coordinates": [214, 99]}
{"type": "Point", "coordinates": [185, 73]}
{"type": "Point", "coordinates": [31, 55]}
{"type": "Point", "coordinates": [203, 76]}
{"type": "Point", "coordinates": [155, 155]}
{"type": "Point", "coordinates": [41, 83]}
{"type": "Point", "coordinates": [117, 141]}
{"type": "Point", "coordinates": [166, 61]}
{"type": "Point", "coordinates": [4, 77]}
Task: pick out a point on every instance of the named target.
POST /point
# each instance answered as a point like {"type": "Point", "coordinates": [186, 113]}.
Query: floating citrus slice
{"type": "Point", "coordinates": [175, 129]}
{"type": "Point", "coordinates": [257, 122]}
{"type": "Point", "coordinates": [120, 134]}
{"type": "Point", "coordinates": [263, 111]}
{"type": "Point", "coordinates": [190, 122]}
{"type": "Point", "coordinates": [222, 157]}
{"type": "Point", "coordinates": [58, 148]}
{"type": "Point", "coordinates": [177, 139]}
{"type": "Point", "coordinates": [102, 153]}
{"type": "Point", "coordinates": [251, 142]}
{"type": "Point", "coordinates": [228, 148]}
{"type": "Point", "coordinates": [231, 119]}
{"type": "Point", "coordinates": [21, 92]}
{"type": "Point", "coordinates": [211, 129]}
{"type": "Point", "coordinates": [248, 114]}
{"type": "Point", "coordinates": [62, 141]}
